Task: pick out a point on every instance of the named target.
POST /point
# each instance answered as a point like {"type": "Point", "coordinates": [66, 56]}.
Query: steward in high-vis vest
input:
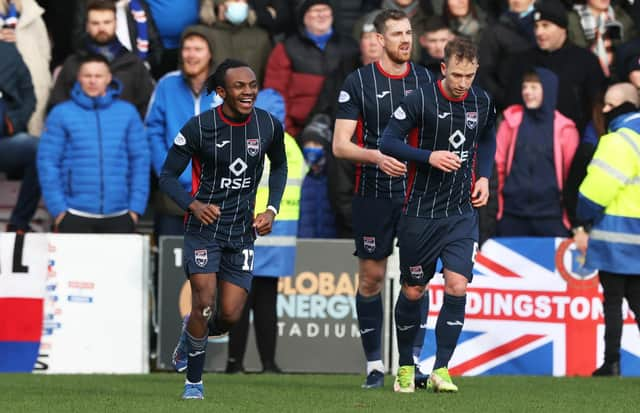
{"type": "Point", "coordinates": [609, 200]}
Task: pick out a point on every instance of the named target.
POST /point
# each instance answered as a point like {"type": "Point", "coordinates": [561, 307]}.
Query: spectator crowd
{"type": "Point", "coordinates": [93, 93]}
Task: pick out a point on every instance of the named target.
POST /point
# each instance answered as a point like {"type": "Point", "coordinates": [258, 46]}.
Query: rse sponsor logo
{"type": "Point", "coordinates": [456, 140]}
{"type": "Point", "coordinates": [235, 183]}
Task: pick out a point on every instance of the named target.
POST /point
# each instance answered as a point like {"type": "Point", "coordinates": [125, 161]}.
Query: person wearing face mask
{"type": "Point", "coordinates": [608, 205]}
{"type": "Point", "coordinates": [231, 27]}
{"type": "Point", "coordinates": [317, 218]}
{"type": "Point", "coordinates": [534, 148]}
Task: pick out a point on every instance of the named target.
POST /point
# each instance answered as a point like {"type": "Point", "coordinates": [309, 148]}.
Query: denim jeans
{"type": "Point", "coordinates": [18, 158]}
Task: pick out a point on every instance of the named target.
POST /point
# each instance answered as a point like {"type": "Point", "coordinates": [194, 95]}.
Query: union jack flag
{"type": "Point", "coordinates": [532, 309]}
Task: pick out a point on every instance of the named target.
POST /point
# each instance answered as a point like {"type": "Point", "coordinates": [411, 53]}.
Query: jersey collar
{"type": "Point", "coordinates": [229, 121]}
{"type": "Point", "coordinates": [389, 75]}
{"type": "Point", "coordinates": [450, 98]}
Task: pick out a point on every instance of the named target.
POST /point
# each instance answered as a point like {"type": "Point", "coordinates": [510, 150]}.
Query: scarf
{"type": "Point", "coordinates": [320, 40]}
{"type": "Point", "coordinates": [142, 38]}
{"type": "Point", "coordinates": [595, 30]}
{"type": "Point", "coordinates": [110, 50]}
{"type": "Point", "coordinates": [11, 18]}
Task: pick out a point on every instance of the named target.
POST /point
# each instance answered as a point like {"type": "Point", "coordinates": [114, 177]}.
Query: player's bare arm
{"type": "Point", "coordinates": [344, 148]}
{"type": "Point", "coordinates": [206, 213]}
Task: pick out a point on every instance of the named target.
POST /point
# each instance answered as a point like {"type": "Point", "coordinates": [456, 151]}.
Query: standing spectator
{"type": "Point", "coordinates": [409, 7]}
{"type": "Point", "coordinates": [171, 18]}
{"type": "Point", "coordinates": [126, 67]}
{"type": "Point", "coordinates": [579, 73]}
{"type": "Point", "coordinates": [93, 160]}
{"type": "Point", "coordinates": [535, 145]}
{"type": "Point", "coordinates": [179, 96]}
{"type": "Point", "coordinates": [348, 12]}
{"type": "Point", "coordinates": [235, 34]}
{"type": "Point", "coordinates": [135, 29]}
{"type": "Point", "coordinates": [275, 16]}
{"type": "Point", "coordinates": [22, 24]}
{"type": "Point", "coordinates": [17, 148]}
{"type": "Point", "coordinates": [433, 39]}
{"type": "Point", "coordinates": [317, 219]}
{"type": "Point", "coordinates": [464, 18]}
{"type": "Point", "coordinates": [602, 28]}
{"type": "Point", "coordinates": [513, 33]}
{"type": "Point", "coordinates": [628, 58]}
{"type": "Point", "coordinates": [298, 66]}
{"type": "Point", "coordinates": [608, 202]}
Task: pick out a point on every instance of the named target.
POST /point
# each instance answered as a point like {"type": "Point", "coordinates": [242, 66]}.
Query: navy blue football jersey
{"type": "Point", "coordinates": [227, 163]}
{"type": "Point", "coordinates": [435, 122]}
{"type": "Point", "coordinates": [369, 96]}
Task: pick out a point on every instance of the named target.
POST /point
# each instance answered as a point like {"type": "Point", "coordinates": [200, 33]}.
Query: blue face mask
{"type": "Point", "coordinates": [236, 12]}
{"type": "Point", "coordinates": [313, 156]}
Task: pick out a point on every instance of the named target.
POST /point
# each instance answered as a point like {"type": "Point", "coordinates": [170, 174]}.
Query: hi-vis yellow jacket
{"type": "Point", "coordinates": [610, 198]}
{"type": "Point", "coordinates": [275, 253]}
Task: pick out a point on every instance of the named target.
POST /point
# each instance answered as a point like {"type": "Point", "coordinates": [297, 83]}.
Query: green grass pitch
{"type": "Point", "coordinates": [160, 392]}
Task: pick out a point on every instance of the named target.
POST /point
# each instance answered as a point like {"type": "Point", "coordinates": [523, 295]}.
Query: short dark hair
{"type": "Point", "coordinates": [93, 58]}
{"type": "Point", "coordinates": [101, 5]}
{"type": "Point", "coordinates": [380, 22]}
{"type": "Point", "coordinates": [530, 75]}
{"type": "Point", "coordinates": [434, 24]}
{"type": "Point", "coordinates": [462, 48]}
{"type": "Point", "coordinates": [217, 79]}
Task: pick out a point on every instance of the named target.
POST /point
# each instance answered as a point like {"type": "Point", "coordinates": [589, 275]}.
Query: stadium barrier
{"type": "Point", "coordinates": [74, 303]}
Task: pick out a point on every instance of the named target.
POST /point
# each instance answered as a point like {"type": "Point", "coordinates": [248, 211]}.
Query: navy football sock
{"type": "Point", "coordinates": [369, 310]}
{"type": "Point", "coordinates": [448, 328]}
{"type": "Point", "coordinates": [195, 362]}
{"type": "Point", "coordinates": [419, 341]}
{"type": "Point", "coordinates": [407, 316]}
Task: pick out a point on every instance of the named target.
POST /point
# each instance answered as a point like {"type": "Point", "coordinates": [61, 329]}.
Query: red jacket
{"type": "Point", "coordinates": [565, 143]}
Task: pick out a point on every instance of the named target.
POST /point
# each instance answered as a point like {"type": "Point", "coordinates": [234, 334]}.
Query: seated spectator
{"type": "Point", "coordinates": [135, 29]}
{"type": "Point", "coordinates": [178, 97]}
{"type": "Point", "coordinates": [411, 8]}
{"type": "Point", "coordinates": [534, 148]}
{"type": "Point", "coordinates": [298, 66]}
{"type": "Point", "coordinates": [17, 148]}
{"type": "Point", "coordinates": [604, 26]}
{"type": "Point", "coordinates": [235, 34]}
{"type": "Point", "coordinates": [580, 76]}
{"type": "Point", "coordinates": [21, 23]}
{"type": "Point", "coordinates": [100, 38]}
{"type": "Point", "coordinates": [433, 39]}
{"type": "Point", "coordinates": [464, 18]}
{"type": "Point", "coordinates": [512, 33]}
{"type": "Point", "coordinates": [317, 219]}
{"type": "Point", "coordinates": [171, 18]}
{"type": "Point", "coordinates": [93, 160]}
{"type": "Point", "coordinates": [628, 56]}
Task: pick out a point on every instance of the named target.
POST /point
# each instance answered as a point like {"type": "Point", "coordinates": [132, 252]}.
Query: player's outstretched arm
{"type": "Point", "coordinates": [344, 148]}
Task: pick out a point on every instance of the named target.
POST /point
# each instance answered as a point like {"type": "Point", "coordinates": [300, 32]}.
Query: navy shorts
{"type": "Point", "coordinates": [422, 241]}
{"type": "Point", "coordinates": [231, 262]}
{"type": "Point", "coordinates": [375, 225]}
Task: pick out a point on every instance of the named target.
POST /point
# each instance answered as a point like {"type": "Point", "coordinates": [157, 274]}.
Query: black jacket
{"type": "Point", "coordinates": [17, 90]}
{"type": "Point", "coordinates": [154, 56]}
{"type": "Point", "coordinates": [137, 84]}
{"type": "Point", "coordinates": [498, 43]}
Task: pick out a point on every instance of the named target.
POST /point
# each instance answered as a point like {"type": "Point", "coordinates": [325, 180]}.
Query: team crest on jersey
{"type": "Point", "coordinates": [399, 114]}
{"type": "Point", "coordinates": [369, 244]}
{"type": "Point", "coordinates": [472, 120]}
{"type": "Point", "coordinates": [416, 271]}
{"type": "Point", "coordinates": [253, 147]}
{"type": "Point", "coordinates": [201, 257]}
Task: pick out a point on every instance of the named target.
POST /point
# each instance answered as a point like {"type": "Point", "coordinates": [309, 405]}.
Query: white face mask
{"type": "Point", "coordinates": [236, 12]}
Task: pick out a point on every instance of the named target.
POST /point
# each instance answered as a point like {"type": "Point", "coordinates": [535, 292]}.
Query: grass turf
{"type": "Point", "coordinates": [160, 392]}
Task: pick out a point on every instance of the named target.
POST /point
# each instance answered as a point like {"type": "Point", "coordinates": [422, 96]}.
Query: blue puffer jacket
{"type": "Point", "coordinates": [94, 155]}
